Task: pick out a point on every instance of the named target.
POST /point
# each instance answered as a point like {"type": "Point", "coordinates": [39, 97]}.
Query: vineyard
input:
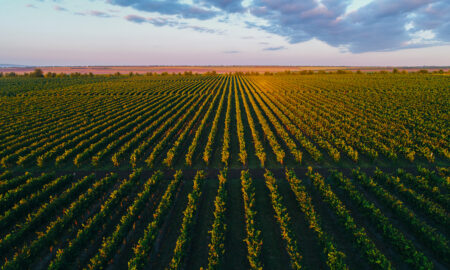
{"type": "Point", "coordinates": [284, 171]}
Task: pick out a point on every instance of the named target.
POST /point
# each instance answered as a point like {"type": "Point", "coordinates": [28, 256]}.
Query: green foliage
{"type": "Point", "coordinates": [37, 73]}
{"type": "Point", "coordinates": [360, 238]}
{"type": "Point", "coordinates": [189, 220]}
{"type": "Point", "coordinates": [411, 256]}
{"type": "Point", "coordinates": [145, 244]}
{"type": "Point", "coordinates": [253, 234]}
{"type": "Point", "coordinates": [334, 258]}
{"type": "Point", "coordinates": [284, 221]}
{"type": "Point", "coordinates": [218, 228]}
{"type": "Point", "coordinates": [56, 129]}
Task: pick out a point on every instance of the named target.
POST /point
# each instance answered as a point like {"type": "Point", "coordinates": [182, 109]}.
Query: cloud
{"type": "Point", "coordinates": [95, 13]}
{"type": "Point", "coordinates": [380, 25]}
{"type": "Point", "coordinates": [156, 21]}
{"type": "Point", "coordinates": [279, 48]}
{"type": "Point", "coordinates": [230, 6]}
{"type": "Point", "coordinates": [168, 7]}
{"type": "Point", "coordinates": [200, 29]}
{"type": "Point", "coordinates": [100, 14]}
{"type": "Point", "coordinates": [231, 52]}
{"type": "Point", "coordinates": [59, 8]}
{"type": "Point", "coordinates": [435, 17]}
{"type": "Point", "coordinates": [161, 21]}
{"type": "Point", "coordinates": [135, 18]}
{"type": "Point", "coordinates": [30, 6]}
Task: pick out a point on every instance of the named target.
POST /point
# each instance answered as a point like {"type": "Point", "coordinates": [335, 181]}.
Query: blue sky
{"type": "Point", "coordinates": [225, 32]}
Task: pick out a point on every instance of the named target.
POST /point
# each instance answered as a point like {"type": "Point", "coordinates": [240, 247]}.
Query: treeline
{"type": "Point", "coordinates": [38, 73]}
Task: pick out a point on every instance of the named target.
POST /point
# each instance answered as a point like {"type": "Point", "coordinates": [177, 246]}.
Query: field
{"type": "Point", "coordinates": [284, 171]}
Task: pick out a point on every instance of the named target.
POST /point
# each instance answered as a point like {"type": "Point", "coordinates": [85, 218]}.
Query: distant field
{"type": "Point", "coordinates": [322, 171]}
{"type": "Point", "coordinates": [197, 69]}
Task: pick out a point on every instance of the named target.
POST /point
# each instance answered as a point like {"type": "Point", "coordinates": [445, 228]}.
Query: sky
{"type": "Point", "coordinates": [225, 32]}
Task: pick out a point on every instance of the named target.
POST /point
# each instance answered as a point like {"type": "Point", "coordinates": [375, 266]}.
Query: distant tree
{"type": "Point", "coordinates": [322, 72]}
{"type": "Point", "coordinates": [11, 74]}
{"type": "Point", "coordinates": [268, 73]}
{"type": "Point", "coordinates": [37, 73]}
{"type": "Point", "coordinates": [423, 71]}
{"type": "Point", "coordinates": [75, 74]}
{"type": "Point", "coordinates": [131, 74]}
{"type": "Point", "coordinates": [149, 74]}
{"type": "Point", "coordinates": [440, 72]}
{"type": "Point", "coordinates": [213, 72]}
{"type": "Point", "coordinates": [1, 74]}
{"type": "Point", "coordinates": [117, 74]}
{"type": "Point", "coordinates": [310, 72]}
{"type": "Point", "coordinates": [187, 73]}
{"type": "Point", "coordinates": [340, 71]}
{"type": "Point", "coordinates": [358, 72]}
{"type": "Point", "coordinates": [91, 74]}
{"type": "Point", "coordinates": [395, 71]}
{"type": "Point", "coordinates": [164, 74]}
{"type": "Point", "coordinates": [383, 72]}
{"type": "Point", "coordinates": [50, 75]}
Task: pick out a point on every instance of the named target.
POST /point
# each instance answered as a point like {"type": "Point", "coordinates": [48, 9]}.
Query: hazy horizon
{"type": "Point", "coordinates": [219, 65]}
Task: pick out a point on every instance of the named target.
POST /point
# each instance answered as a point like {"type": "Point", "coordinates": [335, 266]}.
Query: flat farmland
{"type": "Point", "coordinates": [103, 70]}
{"type": "Point", "coordinates": [284, 171]}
